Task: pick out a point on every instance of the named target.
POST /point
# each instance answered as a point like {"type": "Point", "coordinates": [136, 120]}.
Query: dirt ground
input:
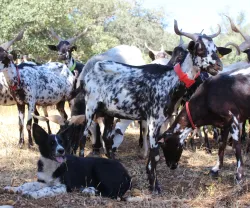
{"type": "Point", "coordinates": [188, 186]}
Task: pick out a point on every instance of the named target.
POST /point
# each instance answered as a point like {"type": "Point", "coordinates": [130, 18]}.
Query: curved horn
{"type": "Point", "coordinates": [6, 45]}
{"type": "Point", "coordinates": [53, 34]}
{"type": "Point", "coordinates": [154, 52]}
{"type": "Point", "coordinates": [77, 120]}
{"type": "Point", "coordinates": [215, 34]}
{"type": "Point", "coordinates": [181, 41]}
{"type": "Point", "coordinates": [55, 118]}
{"type": "Point", "coordinates": [194, 37]}
{"type": "Point", "coordinates": [72, 40]}
{"type": "Point", "coordinates": [234, 45]}
{"type": "Point", "coordinates": [235, 29]}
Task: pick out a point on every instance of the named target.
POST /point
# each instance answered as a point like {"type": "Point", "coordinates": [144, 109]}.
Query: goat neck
{"type": "Point", "coordinates": [189, 68]}
{"type": "Point", "coordinates": [10, 74]}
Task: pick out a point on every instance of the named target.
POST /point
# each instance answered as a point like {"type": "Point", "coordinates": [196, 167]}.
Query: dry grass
{"type": "Point", "coordinates": [188, 186]}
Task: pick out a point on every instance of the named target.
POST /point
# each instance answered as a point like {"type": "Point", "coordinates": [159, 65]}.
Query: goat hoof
{"type": "Point", "coordinates": [214, 174]}
{"type": "Point", "coordinates": [156, 190]}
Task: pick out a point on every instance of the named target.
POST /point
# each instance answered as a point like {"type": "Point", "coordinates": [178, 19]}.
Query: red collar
{"type": "Point", "coordinates": [183, 76]}
{"type": "Point", "coordinates": [14, 87]}
{"type": "Point", "coordinates": [189, 115]}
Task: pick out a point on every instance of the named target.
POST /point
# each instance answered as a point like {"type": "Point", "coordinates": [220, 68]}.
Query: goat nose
{"type": "Point", "coordinates": [61, 151]}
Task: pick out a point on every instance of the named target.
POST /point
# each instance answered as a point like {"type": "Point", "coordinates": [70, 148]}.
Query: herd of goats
{"type": "Point", "coordinates": [116, 88]}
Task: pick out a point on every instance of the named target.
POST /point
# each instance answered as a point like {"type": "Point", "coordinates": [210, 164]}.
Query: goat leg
{"type": "Point", "coordinates": [214, 172]}
{"type": "Point", "coordinates": [21, 113]}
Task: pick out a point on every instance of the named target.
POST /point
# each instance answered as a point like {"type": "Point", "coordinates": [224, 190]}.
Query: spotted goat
{"type": "Point", "coordinates": [43, 85]}
{"type": "Point", "coordinates": [71, 129]}
{"type": "Point", "coordinates": [6, 98]}
{"type": "Point", "coordinates": [146, 92]}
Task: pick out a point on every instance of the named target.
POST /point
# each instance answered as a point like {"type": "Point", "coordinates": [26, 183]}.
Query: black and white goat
{"type": "Point", "coordinates": [65, 48]}
{"type": "Point", "coordinates": [59, 173]}
{"type": "Point", "coordinates": [147, 92]}
{"type": "Point", "coordinates": [124, 54]}
{"type": "Point", "coordinates": [6, 98]}
{"type": "Point", "coordinates": [43, 85]}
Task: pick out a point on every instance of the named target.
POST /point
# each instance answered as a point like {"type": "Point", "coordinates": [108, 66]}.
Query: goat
{"type": "Point", "coordinates": [120, 126]}
{"type": "Point", "coordinates": [35, 85]}
{"type": "Point", "coordinates": [65, 49]}
{"type": "Point", "coordinates": [221, 101]}
{"type": "Point", "coordinates": [147, 92]}
{"type": "Point", "coordinates": [6, 98]}
{"type": "Point", "coordinates": [158, 57]}
{"type": "Point", "coordinates": [122, 53]}
{"type": "Point", "coordinates": [59, 173]}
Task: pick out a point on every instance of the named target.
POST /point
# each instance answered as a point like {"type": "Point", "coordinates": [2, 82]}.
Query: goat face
{"type": "Point", "coordinates": [64, 50]}
{"type": "Point", "coordinates": [172, 150]}
{"type": "Point", "coordinates": [206, 54]}
{"type": "Point", "coordinates": [5, 59]}
{"type": "Point", "coordinates": [178, 56]}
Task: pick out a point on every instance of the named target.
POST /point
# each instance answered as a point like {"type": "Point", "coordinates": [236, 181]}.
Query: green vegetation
{"type": "Point", "coordinates": [112, 22]}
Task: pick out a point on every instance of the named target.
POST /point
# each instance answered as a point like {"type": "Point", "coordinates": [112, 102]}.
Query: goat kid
{"type": "Point", "coordinates": [59, 173]}
{"type": "Point", "coordinates": [146, 92]}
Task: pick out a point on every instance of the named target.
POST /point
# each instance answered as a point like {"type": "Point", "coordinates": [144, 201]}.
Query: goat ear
{"type": "Point", "coordinates": [224, 51]}
{"type": "Point", "coordinates": [169, 52]}
{"type": "Point", "coordinates": [52, 47]}
{"type": "Point", "coordinates": [39, 134]}
{"type": "Point", "coordinates": [191, 46]}
{"type": "Point", "coordinates": [248, 53]}
{"type": "Point", "coordinates": [151, 55]}
{"type": "Point", "coordinates": [73, 48]}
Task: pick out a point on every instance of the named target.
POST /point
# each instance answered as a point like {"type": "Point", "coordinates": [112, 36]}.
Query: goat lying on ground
{"type": "Point", "coordinates": [222, 101]}
{"type": "Point", "coordinates": [59, 172]}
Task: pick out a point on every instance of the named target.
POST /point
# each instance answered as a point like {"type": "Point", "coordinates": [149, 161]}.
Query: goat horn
{"type": "Point", "coordinates": [53, 34]}
{"type": "Point", "coordinates": [77, 120]}
{"type": "Point", "coordinates": [54, 118]}
{"type": "Point", "coordinates": [72, 40]}
{"type": "Point", "coordinates": [6, 45]}
{"type": "Point", "coordinates": [181, 40]}
{"type": "Point", "coordinates": [194, 37]}
{"type": "Point", "coordinates": [154, 52]}
{"type": "Point", "coordinates": [246, 44]}
{"type": "Point", "coordinates": [234, 45]}
{"type": "Point", "coordinates": [215, 34]}
{"type": "Point", "coordinates": [235, 29]}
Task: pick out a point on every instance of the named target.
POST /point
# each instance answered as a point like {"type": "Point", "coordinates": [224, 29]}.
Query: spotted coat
{"type": "Point", "coordinates": [43, 85]}
{"type": "Point", "coordinates": [144, 93]}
